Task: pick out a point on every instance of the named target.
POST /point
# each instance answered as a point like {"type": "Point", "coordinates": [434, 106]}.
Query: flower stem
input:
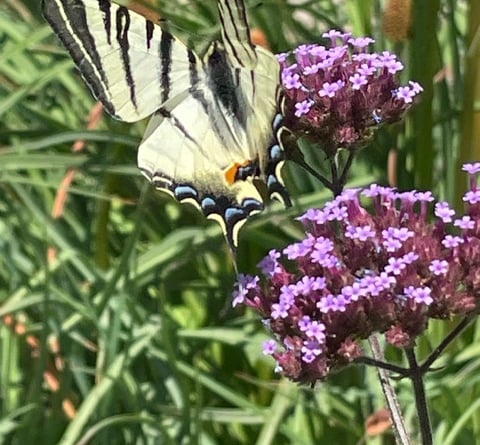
{"type": "Point", "coordinates": [314, 173]}
{"type": "Point", "coordinates": [401, 435]}
{"type": "Point", "coordinates": [293, 153]}
{"type": "Point", "coordinates": [445, 342]}
{"type": "Point", "coordinates": [400, 370]}
{"type": "Point", "coordinates": [346, 169]}
{"type": "Point", "coordinates": [420, 400]}
{"type": "Point", "coordinates": [337, 186]}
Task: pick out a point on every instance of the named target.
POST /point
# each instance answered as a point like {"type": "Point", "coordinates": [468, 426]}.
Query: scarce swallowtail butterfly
{"type": "Point", "coordinates": [214, 136]}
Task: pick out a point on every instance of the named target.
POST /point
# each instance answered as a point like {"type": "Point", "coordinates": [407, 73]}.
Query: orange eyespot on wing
{"type": "Point", "coordinates": [231, 173]}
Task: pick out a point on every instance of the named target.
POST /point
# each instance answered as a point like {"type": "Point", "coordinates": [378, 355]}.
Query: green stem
{"type": "Point", "coordinates": [445, 342]}
{"type": "Point", "coordinates": [420, 400]}
{"type": "Point", "coordinates": [403, 372]}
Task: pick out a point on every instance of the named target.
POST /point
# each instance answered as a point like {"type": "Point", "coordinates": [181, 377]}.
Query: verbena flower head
{"type": "Point", "coordinates": [339, 93]}
{"type": "Point", "coordinates": [360, 271]}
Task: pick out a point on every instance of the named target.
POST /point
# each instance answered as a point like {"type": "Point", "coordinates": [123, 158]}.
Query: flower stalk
{"type": "Point", "coordinates": [416, 376]}
{"type": "Point", "coordinates": [398, 422]}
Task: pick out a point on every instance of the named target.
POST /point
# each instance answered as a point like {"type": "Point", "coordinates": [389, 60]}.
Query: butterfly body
{"type": "Point", "coordinates": [212, 140]}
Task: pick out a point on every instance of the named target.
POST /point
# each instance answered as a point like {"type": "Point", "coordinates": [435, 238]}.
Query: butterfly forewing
{"type": "Point", "coordinates": [130, 64]}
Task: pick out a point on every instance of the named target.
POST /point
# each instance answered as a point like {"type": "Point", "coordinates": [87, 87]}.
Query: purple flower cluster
{"type": "Point", "coordinates": [359, 271]}
{"type": "Point", "coordinates": [337, 95]}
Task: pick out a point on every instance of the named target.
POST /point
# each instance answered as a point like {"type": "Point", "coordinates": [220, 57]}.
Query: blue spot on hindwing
{"type": "Point", "coordinates": [247, 202]}
{"type": "Point", "coordinates": [252, 205]}
{"type": "Point", "coordinates": [277, 121]}
{"type": "Point", "coordinates": [234, 214]}
{"type": "Point", "coordinates": [272, 179]}
{"type": "Point", "coordinates": [208, 203]}
{"type": "Point", "coordinates": [246, 171]}
{"type": "Point", "coordinates": [276, 153]}
{"type": "Point", "coordinates": [184, 192]}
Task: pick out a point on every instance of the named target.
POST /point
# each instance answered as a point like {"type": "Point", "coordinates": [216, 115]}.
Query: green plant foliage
{"type": "Point", "coordinates": [116, 323]}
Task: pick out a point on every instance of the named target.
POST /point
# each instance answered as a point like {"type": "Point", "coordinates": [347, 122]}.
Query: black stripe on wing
{"type": "Point", "coordinates": [166, 58]}
{"type": "Point", "coordinates": [236, 34]}
{"type": "Point", "coordinates": [149, 27]}
{"type": "Point", "coordinates": [122, 21]}
{"type": "Point", "coordinates": [69, 21]}
{"type": "Point", "coordinates": [176, 122]}
{"type": "Point", "coordinates": [104, 6]}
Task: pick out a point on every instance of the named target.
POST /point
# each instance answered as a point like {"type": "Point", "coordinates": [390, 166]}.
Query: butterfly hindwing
{"type": "Point", "coordinates": [213, 133]}
{"type": "Point", "coordinates": [188, 166]}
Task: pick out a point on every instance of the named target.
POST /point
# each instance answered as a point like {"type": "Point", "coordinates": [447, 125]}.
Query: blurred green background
{"type": "Point", "coordinates": [116, 323]}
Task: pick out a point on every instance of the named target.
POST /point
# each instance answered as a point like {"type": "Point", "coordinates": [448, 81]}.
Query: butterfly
{"type": "Point", "coordinates": [214, 135]}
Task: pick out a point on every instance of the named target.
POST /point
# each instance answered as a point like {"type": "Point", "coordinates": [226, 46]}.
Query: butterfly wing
{"type": "Point", "coordinates": [213, 134]}
{"type": "Point", "coordinates": [183, 152]}
{"type": "Point", "coordinates": [130, 64]}
{"type": "Point", "coordinates": [224, 128]}
{"type": "Point", "coordinates": [258, 72]}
